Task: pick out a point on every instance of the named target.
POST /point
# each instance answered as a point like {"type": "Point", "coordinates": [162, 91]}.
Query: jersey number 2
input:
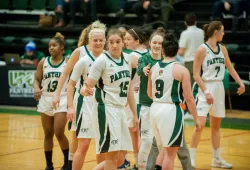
{"type": "Point", "coordinates": [159, 87]}
{"type": "Point", "coordinates": [124, 89]}
{"type": "Point", "coordinates": [218, 70]}
{"type": "Point", "coordinates": [52, 86]}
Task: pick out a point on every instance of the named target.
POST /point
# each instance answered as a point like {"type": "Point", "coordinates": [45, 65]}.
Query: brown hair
{"type": "Point", "coordinates": [84, 37]}
{"type": "Point", "coordinates": [160, 31]}
{"type": "Point", "coordinates": [139, 34]}
{"type": "Point", "coordinates": [116, 31]}
{"type": "Point", "coordinates": [190, 19]}
{"type": "Point", "coordinates": [59, 38]}
{"type": "Point", "coordinates": [210, 28]}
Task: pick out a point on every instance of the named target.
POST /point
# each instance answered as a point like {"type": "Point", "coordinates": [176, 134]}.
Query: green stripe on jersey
{"type": "Point", "coordinates": [177, 125]}
{"type": "Point", "coordinates": [176, 95]}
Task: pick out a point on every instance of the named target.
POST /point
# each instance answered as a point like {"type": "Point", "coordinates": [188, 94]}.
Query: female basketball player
{"type": "Point", "coordinates": [144, 65]}
{"type": "Point", "coordinates": [166, 80]}
{"type": "Point", "coordinates": [81, 51]}
{"type": "Point", "coordinates": [84, 130]}
{"type": "Point", "coordinates": [135, 39]}
{"type": "Point", "coordinates": [112, 73]}
{"type": "Point", "coordinates": [53, 120]}
{"type": "Point", "coordinates": [209, 67]}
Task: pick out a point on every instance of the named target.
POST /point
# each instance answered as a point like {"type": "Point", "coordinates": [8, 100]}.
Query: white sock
{"type": "Point", "coordinates": [126, 157]}
{"type": "Point", "coordinates": [216, 153]}
{"type": "Point", "coordinates": [192, 152]}
{"type": "Point", "coordinates": [136, 158]}
{"type": "Point", "coordinates": [71, 155]}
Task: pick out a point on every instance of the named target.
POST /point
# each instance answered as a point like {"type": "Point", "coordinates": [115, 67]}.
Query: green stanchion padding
{"type": "Point", "coordinates": [67, 53]}
{"type": "Point", "coordinates": [8, 39]}
{"type": "Point", "coordinates": [37, 4]}
{"type": "Point", "coordinates": [20, 4]}
{"type": "Point", "coordinates": [232, 47]}
{"type": "Point", "coordinates": [112, 6]}
{"type": "Point", "coordinates": [5, 4]}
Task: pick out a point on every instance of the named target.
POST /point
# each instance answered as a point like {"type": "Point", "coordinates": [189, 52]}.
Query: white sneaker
{"type": "Point", "coordinates": [193, 163]}
{"type": "Point", "coordinates": [220, 163]}
{"type": "Point", "coordinates": [188, 116]}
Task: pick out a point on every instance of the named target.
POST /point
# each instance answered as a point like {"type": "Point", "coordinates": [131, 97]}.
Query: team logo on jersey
{"type": "Point", "coordinates": [85, 130]}
{"type": "Point", "coordinates": [111, 65]}
{"type": "Point", "coordinates": [160, 72]}
{"type": "Point", "coordinates": [89, 65]}
{"type": "Point", "coordinates": [114, 142]}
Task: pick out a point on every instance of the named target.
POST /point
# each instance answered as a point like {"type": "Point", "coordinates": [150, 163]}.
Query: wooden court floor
{"type": "Point", "coordinates": [21, 146]}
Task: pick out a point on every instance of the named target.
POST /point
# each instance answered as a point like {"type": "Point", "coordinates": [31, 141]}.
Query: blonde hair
{"type": "Point", "coordinates": [84, 37]}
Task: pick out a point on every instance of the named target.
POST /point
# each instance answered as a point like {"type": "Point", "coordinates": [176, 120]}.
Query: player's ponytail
{"type": "Point", "coordinates": [210, 28]}
{"type": "Point", "coordinates": [205, 28]}
{"type": "Point", "coordinates": [84, 37]}
{"type": "Point", "coordinates": [60, 39]}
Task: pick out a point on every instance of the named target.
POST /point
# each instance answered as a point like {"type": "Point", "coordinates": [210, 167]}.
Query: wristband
{"type": "Point", "coordinates": [206, 91]}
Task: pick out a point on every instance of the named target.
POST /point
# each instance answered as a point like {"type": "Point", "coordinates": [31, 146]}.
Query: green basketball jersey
{"type": "Point", "coordinates": [143, 62]}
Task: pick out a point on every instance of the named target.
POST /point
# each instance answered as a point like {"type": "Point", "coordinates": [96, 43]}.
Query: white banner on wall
{"type": "Point", "coordinates": [21, 83]}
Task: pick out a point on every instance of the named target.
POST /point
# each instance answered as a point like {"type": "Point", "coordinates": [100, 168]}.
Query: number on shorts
{"type": "Point", "coordinates": [124, 89]}
{"type": "Point", "coordinates": [218, 70]}
{"type": "Point", "coordinates": [52, 86]}
{"type": "Point", "coordinates": [159, 87]}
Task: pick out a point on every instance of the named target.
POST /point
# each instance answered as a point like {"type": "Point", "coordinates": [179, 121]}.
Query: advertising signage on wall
{"type": "Point", "coordinates": [21, 83]}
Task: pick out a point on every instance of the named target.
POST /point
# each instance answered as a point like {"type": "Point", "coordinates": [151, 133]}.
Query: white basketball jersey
{"type": "Point", "coordinates": [83, 51]}
{"type": "Point", "coordinates": [113, 85]}
{"type": "Point", "coordinates": [165, 89]}
{"type": "Point", "coordinates": [51, 75]}
{"type": "Point", "coordinates": [213, 66]}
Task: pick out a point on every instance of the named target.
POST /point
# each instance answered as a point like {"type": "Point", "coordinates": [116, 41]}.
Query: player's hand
{"type": "Point", "coordinates": [241, 89]}
{"type": "Point", "coordinates": [146, 4]}
{"type": "Point", "coordinates": [146, 70]}
{"type": "Point", "coordinates": [198, 124]}
{"type": "Point", "coordinates": [86, 1]}
{"type": "Point", "coordinates": [86, 90]}
{"type": "Point", "coordinates": [71, 114]}
{"type": "Point", "coordinates": [37, 93]}
{"type": "Point", "coordinates": [136, 123]}
{"type": "Point", "coordinates": [227, 6]}
{"type": "Point", "coordinates": [55, 101]}
{"type": "Point", "coordinates": [210, 99]}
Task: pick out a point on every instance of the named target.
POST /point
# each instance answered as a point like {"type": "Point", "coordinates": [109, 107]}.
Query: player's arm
{"type": "Point", "coordinates": [232, 71]}
{"type": "Point", "coordinates": [95, 74]}
{"type": "Point", "coordinates": [38, 79]}
{"type": "Point", "coordinates": [187, 91]}
{"type": "Point", "coordinates": [75, 76]}
{"type": "Point", "coordinates": [134, 62]}
{"type": "Point", "coordinates": [141, 65]}
{"type": "Point", "coordinates": [150, 85]}
{"type": "Point", "coordinates": [198, 59]}
{"type": "Point", "coordinates": [132, 105]}
{"type": "Point", "coordinates": [69, 67]}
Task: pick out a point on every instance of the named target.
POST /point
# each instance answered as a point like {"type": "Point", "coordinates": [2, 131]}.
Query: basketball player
{"type": "Point", "coordinates": [134, 40]}
{"type": "Point", "coordinates": [112, 73]}
{"type": "Point", "coordinates": [144, 65]}
{"type": "Point", "coordinates": [209, 67]}
{"type": "Point", "coordinates": [53, 120]}
{"type": "Point", "coordinates": [166, 80]}
{"type": "Point", "coordinates": [81, 51]}
{"type": "Point", "coordinates": [84, 130]}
